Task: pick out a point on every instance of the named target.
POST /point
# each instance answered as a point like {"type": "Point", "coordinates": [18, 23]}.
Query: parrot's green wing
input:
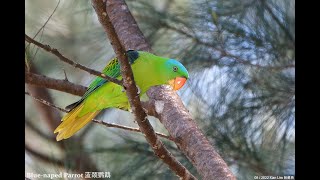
{"type": "Point", "coordinates": [112, 70]}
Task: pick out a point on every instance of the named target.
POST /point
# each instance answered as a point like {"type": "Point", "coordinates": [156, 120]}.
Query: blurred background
{"type": "Point", "coordinates": [241, 91]}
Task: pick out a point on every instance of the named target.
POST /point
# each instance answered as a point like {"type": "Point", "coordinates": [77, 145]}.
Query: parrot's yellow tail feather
{"type": "Point", "coordinates": [72, 123]}
{"type": "Point", "coordinates": [69, 118]}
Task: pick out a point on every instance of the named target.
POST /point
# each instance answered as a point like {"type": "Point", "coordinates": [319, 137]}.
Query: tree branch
{"type": "Point", "coordinates": [188, 137]}
{"type": "Point", "coordinates": [128, 128]}
{"type": "Point", "coordinates": [56, 84]}
{"type": "Point", "coordinates": [46, 103]}
{"type": "Point", "coordinates": [106, 12]}
{"type": "Point", "coordinates": [43, 26]}
{"type": "Point", "coordinates": [74, 64]}
{"type": "Point", "coordinates": [175, 116]}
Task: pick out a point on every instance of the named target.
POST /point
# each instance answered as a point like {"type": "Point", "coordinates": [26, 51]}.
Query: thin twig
{"type": "Point", "coordinates": [128, 128]}
{"type": "Point", "coordinates": [95, 120]}
{"type": "Point", "coordinates": [67, 60]}
{"type": "Point", "coordinates": [42, 27]}
{"type": "Point", "coordinates": [46, 103]}
{"type": "Point", "coordinates": [65, 75]}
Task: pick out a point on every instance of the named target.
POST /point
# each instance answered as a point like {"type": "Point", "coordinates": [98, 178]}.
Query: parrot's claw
{"type": "Point", "coordinates": [139, 90]}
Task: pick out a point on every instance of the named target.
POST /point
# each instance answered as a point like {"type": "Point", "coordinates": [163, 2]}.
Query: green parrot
{"type": "Point", "coordinates": [148, 70]}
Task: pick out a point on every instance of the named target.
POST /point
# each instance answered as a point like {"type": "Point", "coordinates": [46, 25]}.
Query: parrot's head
{"type": "Point", "coordinates": [176, 74]}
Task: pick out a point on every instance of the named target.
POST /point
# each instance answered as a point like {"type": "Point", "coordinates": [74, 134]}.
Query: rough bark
{"type": "Point", "coordinates": [186, 134]}
{"type": "Point", "coordinates": [105, 12]}
{"type": "Point", "coordinates": [174, 115]}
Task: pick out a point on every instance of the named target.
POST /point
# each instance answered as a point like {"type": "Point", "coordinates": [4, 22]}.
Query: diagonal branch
{"type": "Point", "coordinates": [56, 84]}
{"type": "Point", "coordinates": [94, 120]}
{"type": "Point", "coordinates": [188, 137]}
{"type": "Point", "coordinates": [43, 26]}
{"type": "Point", "coordinates": [176, 118]}
{"type": "Point", "coordinates": [104, 11]}
{"type": "Point", "coordinates": [67, 60]}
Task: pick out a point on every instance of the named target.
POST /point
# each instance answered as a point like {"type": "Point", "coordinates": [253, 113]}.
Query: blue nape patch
{"type": "Point", "coordinates": [132, 55]}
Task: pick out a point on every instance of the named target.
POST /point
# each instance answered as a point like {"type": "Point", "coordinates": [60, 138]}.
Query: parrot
{"type": "Point", "coordinates": [148, 70]}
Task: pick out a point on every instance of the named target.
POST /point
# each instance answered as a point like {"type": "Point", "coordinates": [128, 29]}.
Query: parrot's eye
{"type": "Point", "coordinates": [175, 68]}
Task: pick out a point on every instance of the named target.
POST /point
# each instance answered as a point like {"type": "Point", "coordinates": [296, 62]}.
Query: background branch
{"type": "Point", "coordinates": [56, 84]}
{"type": "Point", "coordinates": [67, 60]}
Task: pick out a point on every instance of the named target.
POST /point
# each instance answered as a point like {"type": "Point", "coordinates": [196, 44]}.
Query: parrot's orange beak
{"type": "Point", "coordinates": [177, 82]}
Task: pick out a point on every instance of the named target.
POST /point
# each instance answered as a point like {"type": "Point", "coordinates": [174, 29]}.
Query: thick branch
{"type": "Point", "coordinates": [107, 12]}
{"type": "Point", "coordinates": [175, 116]}
{"type": "Point", "coordinates": [66, 60]}
{"type": "Point", "coordinates": [188, 137]}
{"type": "Point", "coordinates": [56, 84]}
